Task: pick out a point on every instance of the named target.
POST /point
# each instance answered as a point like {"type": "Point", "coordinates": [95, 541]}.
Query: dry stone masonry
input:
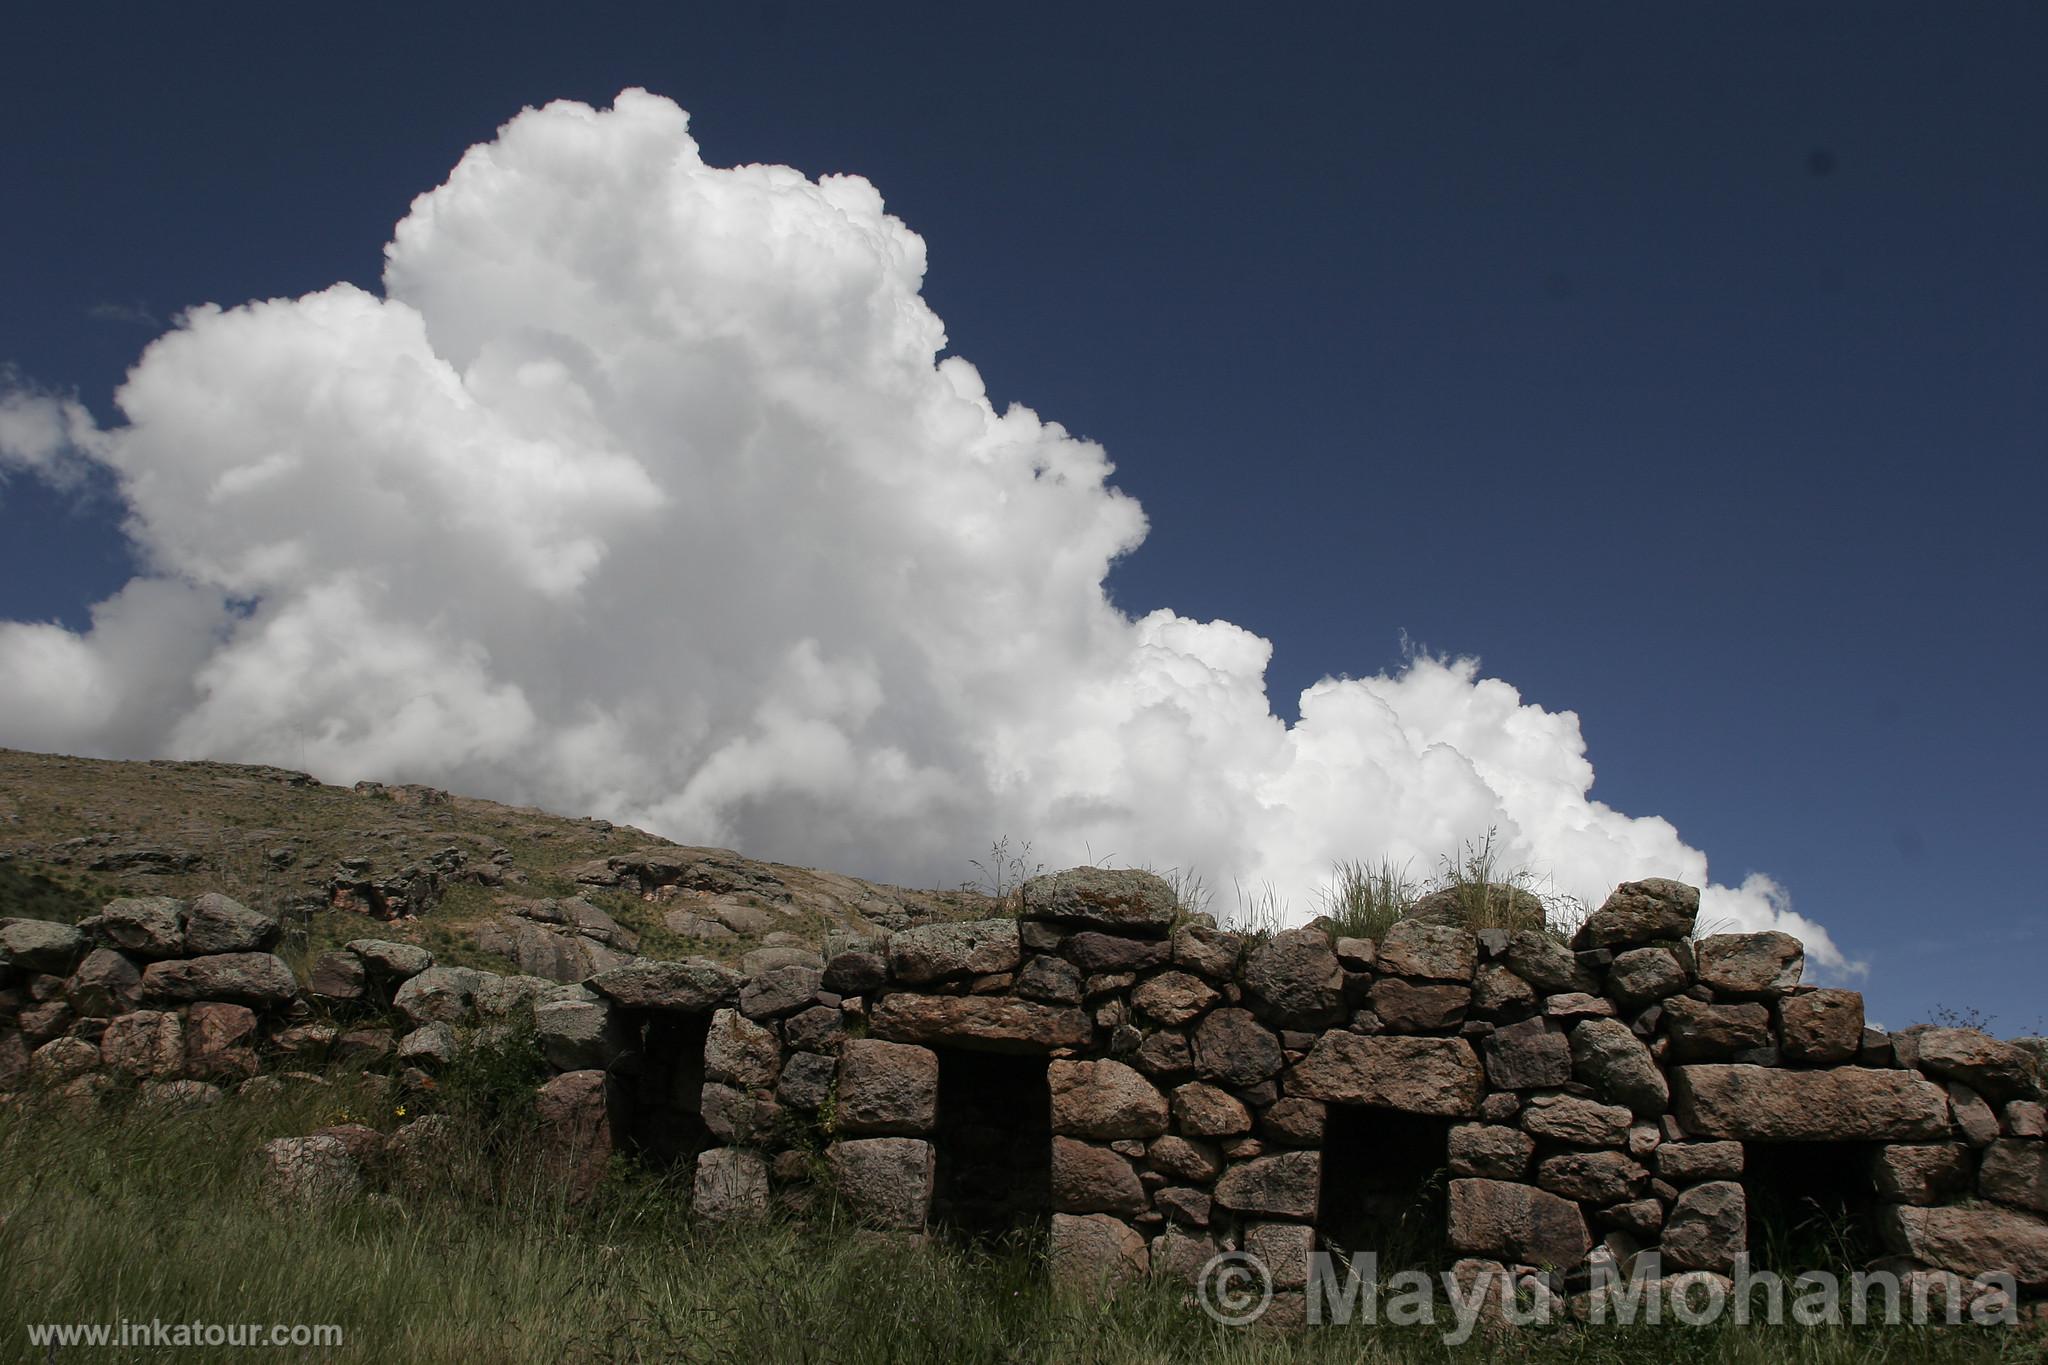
{"type": "Point", "coordinates": [1142, 1087]}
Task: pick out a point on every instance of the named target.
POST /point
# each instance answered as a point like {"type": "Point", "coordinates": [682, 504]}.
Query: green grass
{"type": "Point", "coordinates": [48, 893]}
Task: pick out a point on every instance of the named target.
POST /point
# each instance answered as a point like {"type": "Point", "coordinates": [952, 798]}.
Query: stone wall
{"type": "Point", "coordinates": [1147, 1089]}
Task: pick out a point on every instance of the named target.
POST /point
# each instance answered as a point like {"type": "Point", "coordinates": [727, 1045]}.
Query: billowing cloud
{"type": "Point", "coordinates": [643, 490]}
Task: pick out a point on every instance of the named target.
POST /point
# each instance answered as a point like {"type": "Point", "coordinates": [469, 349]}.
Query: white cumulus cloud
{"type": "Point", "coordinates": [642, 490]}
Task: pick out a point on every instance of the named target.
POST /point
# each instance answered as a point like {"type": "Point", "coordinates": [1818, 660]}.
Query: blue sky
{"type": "Point", "coordinates": [1683, 367]}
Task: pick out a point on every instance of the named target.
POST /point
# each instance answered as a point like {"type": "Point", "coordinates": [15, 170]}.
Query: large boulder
{"type": "Point", "coordinates": [218, 924]}
{"type": "Point", "coordinates": [1094, 1252]}
{"type": "Point", "coordinates": [938, 952]}
{"type": "Point", "coordinates": [1921, 1173]}
{"type": "Point", "coordinates": [1609, 1057]}
{"type": "Point", "coordinates": [259, 979]}
{"type": "Point", "coordinates": [1173, 998]}
{"type": "Point", "coordinates": [1708, 1227]}
{"type": "Point", "coordinates": [1761, 966]}
{"type": "Point", "coordinates": [1103, 898]}
{"type": "Point", "coordinates": [579, 1114]}
{"type": "Point", "coordinates": [731, 1184]}
{"type": "Point", "coordinates": [740, 1052]}
{"type": "Point", "coordinates": [885, 1181]}
{"type": "Point", "coordinates": [998, 1023]}
{"type": "Point", "coordinates": [1845, 1104]}
{"type": "Point", "coordinates": [143, 926]}
{"type": "Point", "coordinates": [1091, 1179]}
{"type": "Point", "coordinates": [1978, 1060]}
{"type": "Point", "coordinates": [1204, 1111]}
{"type": "Point", "coordinates": [106, 983]}
{"type": "Point", "coordinates": [580, 1032]}
{"type": "Point", "coordinates": [1283, 1186]}
{"type": "Point", "coordinates": [1232, 1047]}
{"type": "Point", "coordinates": [887, 1087]}
{"type": "Point", "coordinates": [390, 961]}
{"type": "Point", "coordinates": [1430, 952]}
{"type": "Point", "coordinates": [39, 945]}
{"type": "Point", "coordinates": [1703, 1032]}
{"type": "Point", "coordinates": [1643, 912]}
{"type": "Point", "coordinates": [1528, 1056]}
{"type": "Point", "coordinates": [2015, 1171]}
{"type": "Point", "coordinates": [309, 1170]}
{"type": "Point", "coordinates": [147, 1045]}
{"type": "Point", "coordinates": [695, 985]}
{"type": "Point", "coordinates": [1971, 1241]}
{"type": "Point", "coordinates": [438, 995]}
{"type": "Point", "coordinates": [539, 949]}
{"type": "Point", "coordinates": [220, 1041]}
{"type": "Point", "coordinates": [1440, 1076]}
{"type": "Point", "coordinates": [1104, 1100]}
{"type": "Point", "coordinates": [1294, 980]}
{"type": "Point", "coordinates": [1821, 1027]}
{"type": "Point", "coordinates": [1548, 965]}
{"type": "Point", "coordinates": [1517, 1222]}
{"type": "Point", "coordinates": [780, 991]}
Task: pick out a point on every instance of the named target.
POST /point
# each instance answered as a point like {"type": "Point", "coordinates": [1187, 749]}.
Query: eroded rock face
{"type": "Point", "coordinates": [309, 1170]}
{"type": "Point", "coordinates": [1439, 1076]}
{"type": "Point", "coordinates": [1846, 1104]}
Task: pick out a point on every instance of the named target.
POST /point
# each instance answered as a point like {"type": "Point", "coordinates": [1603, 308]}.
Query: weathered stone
{"type": "Point", "coordinates": [2015, 1171]}
{"type": "Point", "coordinates": [1987, 1065]}
{"type": "Point", "coordinates": [1164, 1053]}
{"type": "Point", "coordinates": [731, 1184]}
{"type": "Point", "coordinates": [45, 1021]}
{"type": "Point", "coordinates": [1209, 952]}
{"type": "Point", "coordinates": [1846, 1104]}
{"type": "Point", "coordinates": [1490, 1151]}
{"type": "Point", "coordinates": [578, 1114]}
{"type": "Point", "coordinates": [1294, 1121]}
{"type": "Point", "coordinates": [364, 1047]}
{"type": "Point", "coordinates": [1581, 1123]}
{"type": "Point", "coordinates": [1181, 1252]}
{"type": "Point", "coordinates": [504, 999]}
{"type": "Point", "coordinates": [151, 927]}
{"type": "Point", "coordinates": [1497, 990]}
{"type": "Point", "coordinates": [430, 1046]}
{"type": "Point", "coordinates": [1609, 1057]}
{"type": "Point", "coordinates": [1432, 952]}
{"type": "Point", "coordinates": [784, 990]}
{"type": "Point", "coordinates": [739, 1117]}
{"type": "Point", "coordinates": [1294, 981]}
{"type": "Point", "coordinates": [38, 945]}
{"type": "Point", "coordinates": [1641, 912]}
{"type": "Point", "coordinates": [1103, 898]}
{"type": "Point", "coordinates": [1233, 1048]}
{"type": "Point", "coordinates": [1091, 1179]}
{"type": "Point", "coordinates": [106, 983]}
{"type": "Point", "coordinates": [1517, 1222]}
{"type": "Point", "coordinates": [741, 1052]}
{"type": "Point", "coordinates": [1822, 1026]}
{"type": "Point", "coordinates": [309, 1170]}
{"type": "Point", "coordinates": [1183, 1206]}
{"type": "Point", "coordinates": [885, 1182]}
{"type": "Point", "coordinates": [856, 972]}
{"type": "Point", "coordinates": [390, 961]}
{"type": "Point", "coordinates": [939, 952]}
{"type": "Point", "coordinates": [1174, 998]}
{"type": "Point", "coordinates": [1419, 1006]}
{"type": "Point", "coordinates": [1051, 980]}
{"type": "Point", "coordinates": [1706, 1032]}
{"type": "Point", "coordinates": [1642, 976]}
{"type": "Point", "coordinates": [337, 975]}
{"type": "Point", "coordinates": [220, 1042]}
{"type": "Point", "coordinates": [1971, 1241]}
{"type": "Point", "coordinates": [1104, 1100]}
{"type": "Point", "coordinates": [887, 1087]}
{"type": "Point", "coordinates": [216, 924]}
{"type": "Point", "coordinates": [580, 1034]}
{"type": "Point", "coordinates": [1573, 1006]}
{"type": "Point", "coordinates": [1283, 1249]}
{"type": "Point", "coordinates": [61, 1060]}
{"type": "Point", "coordinates": [1099, 954]}
{"type": "Point", "coordinates": [1973, 1117]}
{"type": "Point", "coordinates": [1547, 965]}
{"type": "Point", "coordinates": [998, 1023]}
{"type": "Point", "coordinates": [807, 1079]}
{"type": "Point", "coordinates": [1356, 954]}
{"type": "Point", "coordinates": [1708, 1228]}
{"type": "Point", "coordinates": [1094, 1252]}
{"type": "Point", "coordinates": [1282, 1186]}
{"type": "Point", "coordinates": [444, 994]}
{"type": "Point", "coordinates": [145, 1044]}
{"type": "Point", "coordinates": [821, 1028]}
{"type": "Point", "coordinates": [1204, 1111]}
{"type": "Point", "coordinates": [1180, 1158]}
{"type": "Point", "coordinates": [1439, 1076]}
{"type": "Point", "coordinates": [1641, 1218]}
{"type": "Point", "coordinates": [766, 958]}
{"type": "Point", "coordinates": [1689, 1163]}
{"type": "Point", "coordinates": [1528, 1056]}
{"type": "Point", "coordinates": [1757, 966]}
{"type": "Point", "coordinates": [1931, 1173]}
{"type": "Point", "coordinates": [1592, 1177]}
{"type": "Point", "coordinates": [695, 985]}
{"type": "Point", "coordinates": [552, 953]}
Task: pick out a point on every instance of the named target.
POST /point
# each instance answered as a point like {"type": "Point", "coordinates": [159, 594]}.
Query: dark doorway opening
{"type": "Point", "coordinates": [994, 1146]}
{"type": "Point", "coordinates": [666, 1117]}
{"type": "Point", "coordinates": [1812, 1205]}
{"type": "Point", "coordinates": [1385, 1187]}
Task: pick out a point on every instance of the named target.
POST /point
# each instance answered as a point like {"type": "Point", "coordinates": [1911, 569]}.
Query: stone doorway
{"type": "Point", "coordinates": [1811, 1205]}
{"type": "Point", "coordinates": [1385, 1187]}
{"type": "Point", "coordinates": [993, 1141]}
{"type": "Point", "coordinates": [665, 1120]}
